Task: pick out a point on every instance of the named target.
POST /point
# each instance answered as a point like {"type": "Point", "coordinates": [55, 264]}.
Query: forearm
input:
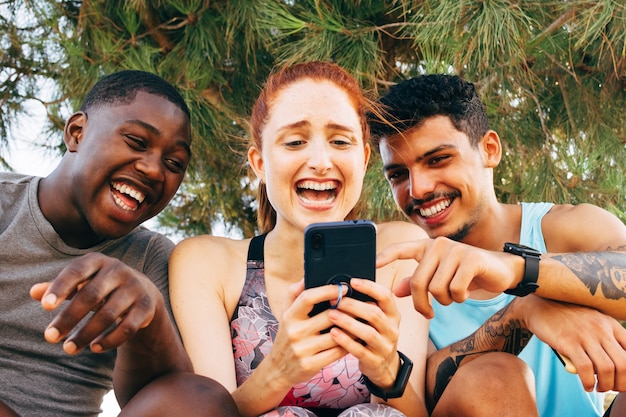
{"type": "Point", "coordinates": [593, 279]}
{"type": "Point", "coordinates": [503, 332]}
{"type": "Point", "coordinates": [410, 403]}
{"type": "Point", "coordinates": [154, 351]}
{"type": "Point", "coordinates": [262, 391]}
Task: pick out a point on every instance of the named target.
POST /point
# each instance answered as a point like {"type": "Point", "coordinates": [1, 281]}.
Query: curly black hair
{"type": "Point", "coordinates": [122, 87]}
{"type": "Point", "coordinates": [408, 104]}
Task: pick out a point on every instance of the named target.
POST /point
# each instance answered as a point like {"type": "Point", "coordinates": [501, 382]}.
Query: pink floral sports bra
{"type": "Point", "coordinates": [253, 330]}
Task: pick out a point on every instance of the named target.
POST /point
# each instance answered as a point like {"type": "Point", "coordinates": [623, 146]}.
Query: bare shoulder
{"type": "Point", "coordinates": [209, 268]}
{"type": "Point", "coordinates": [582, 227]}
{"type": "Point", "coordinates": [209, 255]}
{"type": "Point", "coordinates": [398, 231]}
{"type": "Point", "coordinates": [211, 246]}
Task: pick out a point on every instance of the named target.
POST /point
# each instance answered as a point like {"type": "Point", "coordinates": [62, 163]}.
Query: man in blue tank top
{"type": "Point", "coordinates": [494, 275]}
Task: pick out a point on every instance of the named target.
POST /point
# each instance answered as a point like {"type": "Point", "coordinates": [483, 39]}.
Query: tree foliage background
{"type": "Point", "coordinates": [552, 73]}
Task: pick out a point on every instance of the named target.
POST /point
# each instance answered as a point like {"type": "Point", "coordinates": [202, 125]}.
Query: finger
{"type": "Point", "coordinates": [613, 377]}
{"type": "Point", "coordinates": [604, 369]}
{"type": "Point", "coordinates": [368, 327]}
{"type": "Point", "coordinates": [125, 325]}
{"type": "Point", "coordinates": [37, 291]}
{"type": "Point", "coordinates": [90, 298]}
{"type": "Point", "coordinates": [384, 298]}
{"type": "Point", "coordinates": [374, 361]}
{"type": "Point", "coordinates": [70, 278]}
{"type": "Point", "coordinates": [618, 354]}
{"type": "Point", "coordinates": [419, 283]}
{"type": "Point", "coordinates": [103, 320]}
{"type": "Point", "coordinates": [294, 290]}
{"type": "Point", "coordinates": [440, 283]}
{"type": "Point", "coordinates": [403, 288]}
{"type": "Point", "coordinates": [404, 250]}
{"type": "Point", "coordinates": [349, 343]}
{"type": "Point", "coordinates": [584, 367]}
{"type": "Point", "coordinates": [370, 322]}
{"type": "Point", "coordinates": [461, 282]}
{"type": "Point", "coordinates": [304, 302]}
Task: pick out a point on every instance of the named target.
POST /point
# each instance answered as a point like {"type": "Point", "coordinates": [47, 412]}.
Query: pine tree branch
{"type": "Point", "coordinates": [554, 26]}
{"type": "Point", "coordinates": [149, 18]}
{"type": "Point", "coordinates": [567, 105]}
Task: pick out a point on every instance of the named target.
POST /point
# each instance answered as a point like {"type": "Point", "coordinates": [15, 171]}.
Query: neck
{"type": "Point", "coordinates": [500, 223]}
{"type": "Point", "coordinates": [55, 203]}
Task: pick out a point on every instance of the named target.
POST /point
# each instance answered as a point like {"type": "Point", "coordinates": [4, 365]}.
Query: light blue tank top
{"type": "Point", "coordinates": [559, 393]}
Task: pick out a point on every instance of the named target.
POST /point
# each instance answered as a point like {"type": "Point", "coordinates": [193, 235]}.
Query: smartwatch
{"type": "Point", "coordinates": [531, 256]}
{"type": "Point", "coordinates": [397, 390]}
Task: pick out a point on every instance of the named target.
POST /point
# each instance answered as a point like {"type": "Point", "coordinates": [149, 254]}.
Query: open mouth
{"type": "Point", "coordinates": [317, 193]}
{"type": "Point", "coordinates": [435, 209]}
{"type": "Point", "coordinates": [127, 197]}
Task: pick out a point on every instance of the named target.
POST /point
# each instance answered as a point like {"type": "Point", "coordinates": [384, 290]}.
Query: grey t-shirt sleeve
{"type": "Point", "coordinates": [156, 265]}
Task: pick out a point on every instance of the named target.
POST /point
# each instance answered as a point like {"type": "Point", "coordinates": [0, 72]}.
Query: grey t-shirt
{"type": "Point", "coordinates": [37, 378]}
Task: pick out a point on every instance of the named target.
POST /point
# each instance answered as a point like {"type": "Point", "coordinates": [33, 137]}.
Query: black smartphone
{"type": "Point", "coordinates": [336, 252]}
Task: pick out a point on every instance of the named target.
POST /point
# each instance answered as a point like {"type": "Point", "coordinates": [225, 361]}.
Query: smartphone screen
{"type": "Point", "coordinates": [335, 252]}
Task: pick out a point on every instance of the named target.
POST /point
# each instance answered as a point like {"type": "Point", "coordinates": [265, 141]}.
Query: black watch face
{"type": "Point", "coordinates": [520, 249]}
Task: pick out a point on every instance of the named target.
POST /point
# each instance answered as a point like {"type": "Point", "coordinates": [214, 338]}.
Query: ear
{"type": "Point", "coordinates": [492, 149]}
{"type": "Point", "coordinates": [255, 159]}
{"type": "Point", "coordinates": [368, 153]}
{"type": "Point", "coordinates": [74, 130]}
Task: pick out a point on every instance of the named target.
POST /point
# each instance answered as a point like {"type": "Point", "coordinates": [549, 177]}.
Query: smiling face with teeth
{"type": "Point", "coordinates": [439, 179]}
{"type": "Point", "coordinates": [313, 159]}
{"type": "Point", "coordinates": [123, 165]}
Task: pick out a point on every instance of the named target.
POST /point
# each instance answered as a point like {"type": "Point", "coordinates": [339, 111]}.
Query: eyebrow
{"type": "Point", "coordinates": [420, 158]}
{"type": "Point", "coordinates": [157, 132]}
{"type": "Point", "coordinates": [306, 123]}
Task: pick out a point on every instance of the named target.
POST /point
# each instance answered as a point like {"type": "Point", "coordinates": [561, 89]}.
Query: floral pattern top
{"type": "Point", "coordinates": [253, 330]}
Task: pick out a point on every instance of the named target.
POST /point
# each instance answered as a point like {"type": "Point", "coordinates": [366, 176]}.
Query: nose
{"type": "Point", "coordinates": [421, 184]}
{"type": "Point", "coordinates": [151, 166]}
{"type": "Point", "coordinates": [320, 159]}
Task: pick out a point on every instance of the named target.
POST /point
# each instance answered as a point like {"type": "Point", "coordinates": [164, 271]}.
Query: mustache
{"type": "Point", "coordinates": [415, 203]}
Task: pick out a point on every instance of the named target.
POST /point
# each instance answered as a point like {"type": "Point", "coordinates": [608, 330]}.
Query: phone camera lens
{"type": "Point", "coordinates": [317, 241]}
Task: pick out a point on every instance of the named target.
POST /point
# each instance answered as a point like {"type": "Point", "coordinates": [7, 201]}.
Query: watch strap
{"type": "Point", "coordinates": [399, 385]}
{"type": "Point", "coordinates": [531, 256]}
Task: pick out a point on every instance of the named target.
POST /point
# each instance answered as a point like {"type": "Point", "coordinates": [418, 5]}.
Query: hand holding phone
{"type": "Point", "coordinates": [336, 252]}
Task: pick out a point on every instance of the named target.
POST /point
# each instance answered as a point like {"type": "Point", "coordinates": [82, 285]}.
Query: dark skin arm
{"type": "Point", "coordinates": [143, 333]}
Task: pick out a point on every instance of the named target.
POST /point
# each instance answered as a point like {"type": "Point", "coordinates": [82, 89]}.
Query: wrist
{"type": "Point", "coordinates": [273, 374]}
{"type": "Point", "coordinates": [399, 385]}
{"type": "Point", "coordinates": [528, 283]}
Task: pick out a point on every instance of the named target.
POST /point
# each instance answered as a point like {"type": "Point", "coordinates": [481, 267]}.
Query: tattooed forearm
{"type": "Point", "coordinates": [496, 335]}
{"type": "Point", "coordinates": [606, 270]}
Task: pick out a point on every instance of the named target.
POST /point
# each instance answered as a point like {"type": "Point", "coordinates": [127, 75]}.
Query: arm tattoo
{"type": "Point", "coordinates": [604, 269]}
{"type": "Point", "coordinates": [495, 335]}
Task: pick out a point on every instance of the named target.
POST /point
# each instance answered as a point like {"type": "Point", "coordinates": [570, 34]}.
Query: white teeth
{"type": "Point", "coordinates": [329, 186]}
{"type": "Point", "coordinates": [125, 189]}
{"type": "Point", "coordinates": [318, 202]}
{"type": "Point", "coordinates": [317, 186]}
{"type": "Point", "coordinates": [431, 211]}
{"type": "Point", "coordinates": [122, 205]}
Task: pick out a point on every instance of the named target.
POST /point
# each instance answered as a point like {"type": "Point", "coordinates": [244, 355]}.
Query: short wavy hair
{"type": "Point", "coordinates": [408, 104]}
